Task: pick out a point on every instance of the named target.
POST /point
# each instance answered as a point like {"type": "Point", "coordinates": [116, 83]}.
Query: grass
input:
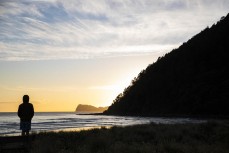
{"type": "Point", "coordinates": [211, 137]}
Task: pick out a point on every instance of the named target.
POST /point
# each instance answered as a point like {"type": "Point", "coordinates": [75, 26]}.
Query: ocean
{"type": "Point", "coordinates": [9, 122]}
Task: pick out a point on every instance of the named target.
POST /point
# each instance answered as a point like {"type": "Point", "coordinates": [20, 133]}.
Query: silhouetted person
{"type": "Point", "coordinates": [25, 113]}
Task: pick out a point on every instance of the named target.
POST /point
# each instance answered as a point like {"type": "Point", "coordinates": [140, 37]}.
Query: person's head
{"type": "Point", "coordinates": [25, 99]}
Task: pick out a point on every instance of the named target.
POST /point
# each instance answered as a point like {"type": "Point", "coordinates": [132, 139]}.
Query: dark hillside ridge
{"type": "Point", "coordinates": [192, 80]}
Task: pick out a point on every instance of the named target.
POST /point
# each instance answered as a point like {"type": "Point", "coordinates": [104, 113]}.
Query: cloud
{"type": "Point", "coordinates": [39, 89]}
{"type": "Point", "coordinates": [106, 87]}
{"type": "Point", "coordinates": [56, 29]}
{"type": "Point", "coordinates": [9, 102]}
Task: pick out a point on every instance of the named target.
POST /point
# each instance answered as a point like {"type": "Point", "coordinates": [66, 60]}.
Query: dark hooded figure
{"type": "Point", "coordinates": [25, 113]}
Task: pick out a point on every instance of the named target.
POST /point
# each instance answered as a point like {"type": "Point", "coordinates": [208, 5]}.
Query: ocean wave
{"type": "Point", "coordinates": [9, 122]}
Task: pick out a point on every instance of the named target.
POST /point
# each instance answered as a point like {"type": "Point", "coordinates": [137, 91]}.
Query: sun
{"type": "Point", "coordinates": [119, 87]}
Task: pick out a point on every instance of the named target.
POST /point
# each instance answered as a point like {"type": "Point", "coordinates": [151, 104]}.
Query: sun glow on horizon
{"type": "Point", "coordinates": [116, 88]}
{"type": "Point", "coordinates": [61, 86]}
{"type": "Point", "coordinates": [66, 99]}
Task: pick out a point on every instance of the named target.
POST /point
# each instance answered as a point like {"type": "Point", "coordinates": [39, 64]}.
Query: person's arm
{"type": "Point", "coordinates": [31, 111]}
{"type": "Point", "coordinates": [19, 112]}
{"type": "Point", "coordinates": [32, 114]}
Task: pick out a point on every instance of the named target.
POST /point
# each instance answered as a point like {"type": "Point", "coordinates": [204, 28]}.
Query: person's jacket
{"type": "Point", "coordinates": [26, 112]}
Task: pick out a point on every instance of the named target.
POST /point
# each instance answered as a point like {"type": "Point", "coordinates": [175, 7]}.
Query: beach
{"type": "Point", "coordinates": [73, 133]}
{"type": "Point", "coordinates": [149, 138]}
{"type": "Point", "coordinates": [212, 137]}
{"type": "Point", "coordinates": [67, 121]}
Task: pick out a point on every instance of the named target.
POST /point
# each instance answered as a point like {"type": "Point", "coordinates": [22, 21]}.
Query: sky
{"type": "Point", "coordinates": [68, 52]}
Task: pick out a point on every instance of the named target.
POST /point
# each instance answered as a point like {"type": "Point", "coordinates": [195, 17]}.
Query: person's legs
{"type": "Point", "coordinates": [23, 133]}
{"type": "Point", "coordinates": [25, 127]}
{"type": "Point", "coordinates": [27, 133]}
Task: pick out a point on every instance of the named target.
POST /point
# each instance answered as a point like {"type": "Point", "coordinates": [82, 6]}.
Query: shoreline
{"type": "Point", "coordinates": [186, 138]}
{"type": "Point", "coordinates": [168, 120]}
{"type": "Point", "coordinates": [76, 129]}
{"type": "Point", "coordinates": [195, 117]}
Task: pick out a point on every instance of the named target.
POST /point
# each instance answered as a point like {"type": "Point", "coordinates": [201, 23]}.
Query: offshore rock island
{"type": "Point", "coordinates": [89, 109]}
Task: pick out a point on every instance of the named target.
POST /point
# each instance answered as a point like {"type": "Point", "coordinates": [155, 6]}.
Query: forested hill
{"type": "Point", "coordinates": [192, 80]}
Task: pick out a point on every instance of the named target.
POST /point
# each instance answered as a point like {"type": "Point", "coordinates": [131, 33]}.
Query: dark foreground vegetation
{"type": "Point", "coordinates": [211, 137]}
{"type": "Point", "coordinates": [192, 80]}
